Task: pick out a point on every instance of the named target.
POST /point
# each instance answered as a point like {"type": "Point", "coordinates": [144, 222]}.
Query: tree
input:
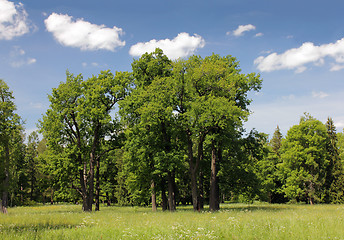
{"type": "Point", "coordinates": [78, 123]}
{"type": "Point", "coordinates": [31, 162]}
{"type": "Point", "coordinates": [46, 177]}
{"type": "Point", "coordinates": [269, 172]}
{"type": "Point", "coordinates": [305, 160]}
{"type": "Point", "coordinates": [211, 102]}
{"type": "Point", "coordinates": [10, 130]}
{"type": "Point", "coordinates": [334, 182]}
{"type": "Point", "coordinates": [276, 141]}
{"type": "Point", "coordinates": [148, 113]}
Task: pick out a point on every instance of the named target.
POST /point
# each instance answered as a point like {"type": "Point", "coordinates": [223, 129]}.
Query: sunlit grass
{"type": "Point", "coordinates": [234, 221]}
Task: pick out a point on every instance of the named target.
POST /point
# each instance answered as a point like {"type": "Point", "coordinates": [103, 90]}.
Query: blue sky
{"type": "Point", "coordinates": [296, 46]}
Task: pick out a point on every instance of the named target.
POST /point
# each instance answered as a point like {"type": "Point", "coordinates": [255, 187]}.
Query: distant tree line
{"type": "Point", "coordinates": [166, 133]}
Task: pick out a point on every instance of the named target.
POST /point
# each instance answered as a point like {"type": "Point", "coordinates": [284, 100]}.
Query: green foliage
{"type": "Point", "coordinates": [335, 172]}
{"type": "Point", "coordinates": [78, 124]}
{"type": "Point", "coordinates": [305, 159]}
{"type": "Point", "coordinates": [242, 168]}
{"type": "Point", "coordinates": [268, 169]}
{"type": "Point", "coordinates": [11, 140]}
{"type": "Point", "coordinates": [180, 124]}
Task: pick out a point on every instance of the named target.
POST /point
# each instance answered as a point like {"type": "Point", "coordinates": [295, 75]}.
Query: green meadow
{"type": "Point", "coordinates": [233, 221]}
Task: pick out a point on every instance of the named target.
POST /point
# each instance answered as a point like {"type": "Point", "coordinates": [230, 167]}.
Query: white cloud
{"type": "Point", "coordinates": [336, 67]}
{"type": "Point", "coordinates": [13, 20]}
{"type": "Point", "coordinates": [259, 34]}
{"type": "Point", "coordinates": [266, 52]}
{"type": "Point", "coordinates": [319, 94]}
{"type": "Point", "coordinates": [31, 61]}
{"type": "Point", "coordinates": [297, 58]}
{"type": "Point", "coordinates": [17, 58]}
{"type": "Point", "coordinates": [22, 62]}
{"type": "Point", "coordinates": [181, 46]}
{"type": "Point", "coordinates": [300, 69]}
{"type": "Point", "coordinates": [82, 34]}
{"type": "Point", "coordinates": [241, 29]}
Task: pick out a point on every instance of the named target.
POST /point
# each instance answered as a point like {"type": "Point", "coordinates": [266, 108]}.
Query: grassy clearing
{"type": "Point", "coordinates": [234, 221]}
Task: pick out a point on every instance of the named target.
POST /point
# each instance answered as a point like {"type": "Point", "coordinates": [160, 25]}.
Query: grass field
{"type": "Point", "coordinates": [234, 221]}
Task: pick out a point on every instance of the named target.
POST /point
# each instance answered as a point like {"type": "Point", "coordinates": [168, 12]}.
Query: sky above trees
{"type": "Point", "coordinates": [297, 46]}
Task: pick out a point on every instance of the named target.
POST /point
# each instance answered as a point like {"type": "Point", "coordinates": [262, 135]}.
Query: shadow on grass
{"type": "Point", "coordinates": [47, 209]}
{"type": "Point", "coordinates": [249, 207]}
{"type": "Point", "coordinates": [240, 207]}
{"type": "Point", "coordinates": [21, 228]}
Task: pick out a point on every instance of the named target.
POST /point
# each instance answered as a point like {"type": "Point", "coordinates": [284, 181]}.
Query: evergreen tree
{"type": "Point", "coordinates": [276, 141]}
{"type": "Point", "coordinates": [268, 170]}
{"type": "Point", "coordinates": [334, 179]}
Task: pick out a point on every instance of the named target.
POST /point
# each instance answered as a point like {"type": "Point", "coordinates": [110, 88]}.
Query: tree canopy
{"type": "Point", "coordinates": [163, 134]}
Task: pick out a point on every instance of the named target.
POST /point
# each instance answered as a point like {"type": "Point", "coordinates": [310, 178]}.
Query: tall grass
{"type": "Point", "coordinates": [234, 221]}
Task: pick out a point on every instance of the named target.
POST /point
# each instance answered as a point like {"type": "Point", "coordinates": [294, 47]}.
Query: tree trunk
{"type": "Point", "coordinates": [97, 185]}
{"type": "Point", "coordinates": [108, 201]}
{"type": "Point", "coordinates": [201, 191]}
{"type": "Point", "coordinates": [170, 175]}
{"type": "Point", "coordinates": [192, 170]}
{"type": "Point", "coordinates": [219, 159]}
{"type": "Point", "coordinates": [171, 192]}
{"type": "Point", "coordinates": [153, 196]}
{"type": "Point", "coordinates": [194, 191]}
{"type": "Point", "coordinates": [92, 161]}
{"type": "Point", "coordinates": [4, 203]}
{"type": "Point", "coordinates": [83, 183]}
{"type": "Point", "coordinates": [21, 194]}
{"type": "Point", "coordinates": [214, 188]}
{"type": "Point", "coordinates": [52, 196]}
{"type": "Point", "coordinates": [163, 196]}
{"type": "Point", "coordinates": [90, 192]}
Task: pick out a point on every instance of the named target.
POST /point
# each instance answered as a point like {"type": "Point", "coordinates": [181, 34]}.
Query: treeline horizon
{"type": "Point", "coordinates": [177, 138]}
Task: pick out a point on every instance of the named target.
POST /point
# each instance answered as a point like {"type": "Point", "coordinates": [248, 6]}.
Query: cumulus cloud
{"type": "Point", "coordinates": [17, 58]}
{"type": "Point", "coordinates": [242, 29]}
{"type": "Point", "coordinates": [13, 20]}
{"type": "Point", "coordinates": [82, 34]}
{"type": "Point", "coordinates": [297, 58]}
{"type": "Point", "coordinates": [181, 46]}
